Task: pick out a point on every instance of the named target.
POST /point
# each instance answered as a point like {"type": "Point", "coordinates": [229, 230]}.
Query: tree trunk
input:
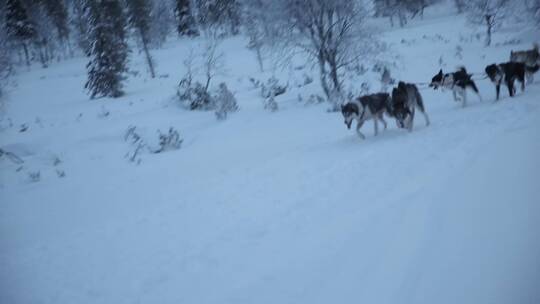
{"type": "Point", "coordinates": [259, 58]}
{"type": "Point", "coordinates": [489, 25]}
{"type": "Point", "coordinates": [147, 54]}
{"type": "Point", "coordinates": [26, 55]}
{"type": "Point", "coordinates": [322, 71]}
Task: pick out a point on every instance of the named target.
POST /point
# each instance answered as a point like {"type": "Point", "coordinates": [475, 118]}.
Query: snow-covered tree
{"type": "Point", "coordinates": [461, 5]}
{"type": "Point", "coordinates": [219, 14]}
{"type": "Point", "coordinates": [225, 102]}
{"type": "Point", "coordinates": [140, 19]}
{"type": "Point", "coordinates": [79, 22]}
{"type": "Point", "coordinates": [331, 32]}
{"type": "Point", "coordinates": [5, 55]}
{"type": "Point", "coordinates": [260, 26]}
{"type": "Point", "coordinates": [20, 29]}
{"type": "Point", "coordinates": [401, 9]}
{"type": "Point", "coordinates": [57, 11]}
{"type": "Point", "coordinates": [489, 13]}
{"type": "Point", "coordinates": [163, 21]}
{"type": "Point", "coordinates": [108, 51]}
{"type": "Point", "coordinates": [186, 22]}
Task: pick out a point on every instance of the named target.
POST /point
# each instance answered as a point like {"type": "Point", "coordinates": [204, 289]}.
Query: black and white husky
{"type": "Point", "coordinates": [367, 107]}
{"type": "Point", "coordinates": [405, 100]}
{"type": "Point", "coordinates": [458, 82]}
{"type": "Point", "coordinates": [531, 59]}
{"type": "Point", "coordinates": [509, 72]}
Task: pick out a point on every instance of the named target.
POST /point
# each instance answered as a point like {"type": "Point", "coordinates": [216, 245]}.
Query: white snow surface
{"type": "Point", "coordinates": [284, 207]}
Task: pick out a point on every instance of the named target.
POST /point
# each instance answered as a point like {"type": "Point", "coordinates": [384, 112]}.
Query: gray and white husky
{"type": "Point", "coordinates": [365, 108]}
{"type": "Point", "coordinates": [531, 59]}
{"type": "Point", "coordinates": [405, 100]}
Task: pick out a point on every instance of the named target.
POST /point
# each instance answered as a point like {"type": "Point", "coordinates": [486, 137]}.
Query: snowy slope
{"type": "Point", "coordinates": [285, 207]}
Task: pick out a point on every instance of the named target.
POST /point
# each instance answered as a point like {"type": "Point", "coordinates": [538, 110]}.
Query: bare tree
{"type": "Point", "coordinates": [213, 61]}
{"type": "Point", "coordinates": [332, 33]}
{"type": "Point", "coordinates": [490, 13]}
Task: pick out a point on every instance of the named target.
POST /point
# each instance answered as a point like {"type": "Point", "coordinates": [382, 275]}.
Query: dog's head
{"type": "Point", "coordinates": [493, 72]}
{"type": "Point", "coordinates": [350, 112]}
{"type": "Point", "coordinates": [437, 80]}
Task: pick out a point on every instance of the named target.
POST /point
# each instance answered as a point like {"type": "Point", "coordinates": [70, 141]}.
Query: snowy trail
{"type": "Point", "coordinates": [288, 207]}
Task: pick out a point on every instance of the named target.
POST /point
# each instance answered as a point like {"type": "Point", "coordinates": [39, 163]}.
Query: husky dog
{"type": "Point", "coordinates": [530, 58]}
{"type": "Point", "coordinates": [367, 107]}
{"type": "Point", "coordinates": [509, 72]}
{"type": "Point", "coordinates": [405, 99]}
{"type": "Point", "coordinates": [458, 82]}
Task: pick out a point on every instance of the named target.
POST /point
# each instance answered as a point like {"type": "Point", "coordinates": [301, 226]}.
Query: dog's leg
{"type": "Point", "coordinates": [376, 124]}
{"type": "Point", "coordinates": [455, 95]}
{"type": "Point", "coordinates": [411, 120]}
{"type": "Point", "coordinates": [426, 117]}
{"type": "Point", "coordinates": [498, 90]}
{"type": "Point", "coordinates": [510, 85]}
{"type": "Point", "coordinates": [464, 96]}
{"type": "Point", "coordinates": [358, 126]}
{"type": "Point", "coordinates": [383, 121]}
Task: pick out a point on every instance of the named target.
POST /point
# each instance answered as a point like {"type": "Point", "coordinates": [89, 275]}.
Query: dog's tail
{"type": "Point", "coordinates": [472, 85]}
{"type": "Point", "coordinates": [419, 99]}
{"type": "Point", "coordinates": [532, 69]}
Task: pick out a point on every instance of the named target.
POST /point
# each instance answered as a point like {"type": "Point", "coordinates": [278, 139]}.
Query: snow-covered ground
{"type": "Point", "coordinates": [285, 207]}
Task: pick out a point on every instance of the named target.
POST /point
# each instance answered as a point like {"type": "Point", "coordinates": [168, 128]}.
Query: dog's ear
{"type": "Point", "coordinates": [440, 71]}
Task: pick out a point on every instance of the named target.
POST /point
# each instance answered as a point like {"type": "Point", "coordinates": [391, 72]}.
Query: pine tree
{"type": "Point", "coordinates": [108, 50]}
{"type": "Point", "coordinates": [57, 11]}
{"type": "Point", "coordinates": [139, 19]}
{"type": "Point", "coordinates": [163, 21]}
{"type": "Point", "coordinates": [222, 14]}
{"type": "Point", "coordinates": [80, 24]}
{"type": "Point", "coordinates": [19, 27]}
{"type": "Point", "coordinates": [186, 22]}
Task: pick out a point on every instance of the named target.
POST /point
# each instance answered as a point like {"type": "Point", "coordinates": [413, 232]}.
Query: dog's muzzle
{"type": "Point", "coordinates": [348, 124]}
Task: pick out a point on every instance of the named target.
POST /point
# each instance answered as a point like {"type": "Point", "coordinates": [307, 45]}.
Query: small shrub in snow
{"type": "Point", "coordinates": [194, 96]}
{"type": "Point", "coordinates": [225, 102]}
{"type": "Point", "coordinates": [364, 88]}
{"type": "Point", "coordinates": [272, 88]}
{"type": "Point", "coordinates": [270, 104]}
{"type": "Point", "coordinates": [34, 176]}
{"type": "Point", "coordinates": [459, 52]}
{"type": "Point", "coordinates": [255, 82]}
{"type": "Point", "coordinates": [11, 156]}
{"type": "Point", "coordinates": [60, 173]}
{"type": "Point", "coordinates": [134, 155]}
{"type": "Point", "coordinates": [23, 128]}
{"type": "Point", "coordinates": [131, 135]}
{"type": "Point", "coordinates": [386, 80]}
{"type": "Point", "coordinates": [169, 141]}
{"type": "Point", "coordinates": [104, 113]}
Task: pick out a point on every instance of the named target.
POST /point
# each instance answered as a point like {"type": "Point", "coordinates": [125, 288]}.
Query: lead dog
{"type": "Point", "coordinates": [405, 100]}
{"type": "Point", "coordinates": [367, 107]}
{"type": "Point", "coordinates": [509, 72]}
{"type": "Point", "coordinates": [458, 82]}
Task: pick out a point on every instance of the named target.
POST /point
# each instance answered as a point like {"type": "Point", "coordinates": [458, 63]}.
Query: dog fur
{"type": "Point", "coordinates": [405, 100]}
{"type": "Point", "coordinates": [365, 108]}
{"type": "Point", "coordinates": [508, 73]}
{"type": "Point", "coordinates": [458, 82]}
{"type": "Point", "coordinates": [531, 59]}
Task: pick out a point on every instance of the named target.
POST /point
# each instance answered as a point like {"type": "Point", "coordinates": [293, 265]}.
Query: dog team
{"type": "Point", "coordinates": [406, 99]}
